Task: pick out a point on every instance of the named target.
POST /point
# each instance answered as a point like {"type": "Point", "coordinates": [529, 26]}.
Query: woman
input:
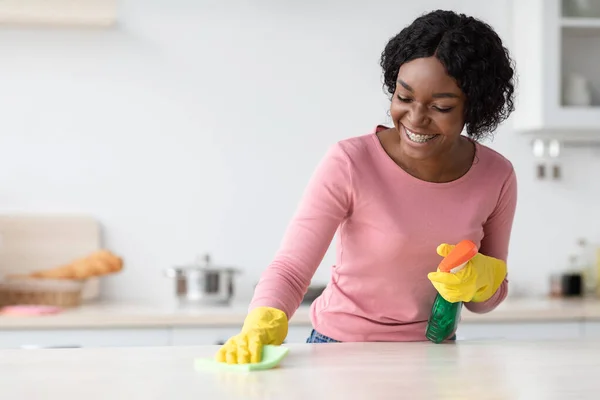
{"type": "Point", "coordinates": [399, 198]}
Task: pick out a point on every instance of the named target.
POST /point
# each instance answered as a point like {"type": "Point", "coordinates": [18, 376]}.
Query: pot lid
{"type": "Point", "coordinates": [204, 263]}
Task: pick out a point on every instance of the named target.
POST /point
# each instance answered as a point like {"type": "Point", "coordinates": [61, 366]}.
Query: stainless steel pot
{"type": "Point", "coordinates": [203, 283]}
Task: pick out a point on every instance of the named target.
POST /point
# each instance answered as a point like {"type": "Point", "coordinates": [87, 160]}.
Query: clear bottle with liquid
{"type": "Point", "coordinates": [585, 265]}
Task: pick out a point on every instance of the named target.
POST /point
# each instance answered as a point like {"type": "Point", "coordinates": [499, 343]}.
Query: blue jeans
{"type": "Point", "coordinates": [316, 337]}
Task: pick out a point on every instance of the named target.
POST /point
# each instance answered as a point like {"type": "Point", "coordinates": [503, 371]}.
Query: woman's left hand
{"type": "Point", "coordinates": [476, 282]}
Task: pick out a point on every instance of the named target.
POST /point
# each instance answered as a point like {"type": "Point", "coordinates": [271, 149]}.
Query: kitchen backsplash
{"type": "Point", "coordinates": [193, 129]}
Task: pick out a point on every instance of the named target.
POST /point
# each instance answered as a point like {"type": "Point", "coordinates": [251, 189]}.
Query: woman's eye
{"type": "Point", "coordinates": [439, 109]}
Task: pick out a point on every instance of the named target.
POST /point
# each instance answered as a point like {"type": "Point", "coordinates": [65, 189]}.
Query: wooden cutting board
{"type": "Point", "coordinates": [34, 242]}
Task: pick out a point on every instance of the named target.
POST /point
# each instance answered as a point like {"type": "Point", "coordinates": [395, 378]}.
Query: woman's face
{"type": "Point", "coordinates": [427, 109]}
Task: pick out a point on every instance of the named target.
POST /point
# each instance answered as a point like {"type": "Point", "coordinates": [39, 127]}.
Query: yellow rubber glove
{"type": "Point", "coordinates": [476, 282]}
{"type": "Point", "coordinates": [263, 325]}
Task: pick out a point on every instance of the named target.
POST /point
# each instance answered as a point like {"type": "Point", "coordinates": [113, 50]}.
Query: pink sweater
{"type": "Point", "coordinates": [388, 225]}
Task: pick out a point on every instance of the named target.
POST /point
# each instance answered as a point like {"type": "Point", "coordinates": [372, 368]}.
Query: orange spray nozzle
{"type": "Point", "coordinates": [457, 258]}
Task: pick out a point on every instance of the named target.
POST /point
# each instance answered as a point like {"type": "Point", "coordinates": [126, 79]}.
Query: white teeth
{"type": "Point", "coordinates": [418, 138]}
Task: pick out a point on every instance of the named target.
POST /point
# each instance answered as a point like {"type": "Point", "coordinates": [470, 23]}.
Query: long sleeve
{"type": "Point", "coordinates": [326, 201]}
{"type": "Point", "coordinates": [495, 243]}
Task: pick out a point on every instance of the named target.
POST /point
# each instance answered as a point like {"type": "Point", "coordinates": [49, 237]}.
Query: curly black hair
{"type": "Point", "coordinates": [471, 52]}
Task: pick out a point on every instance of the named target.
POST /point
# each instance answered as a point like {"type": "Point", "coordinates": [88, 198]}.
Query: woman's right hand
{"type": "Point", "coordinates": [263, 325]}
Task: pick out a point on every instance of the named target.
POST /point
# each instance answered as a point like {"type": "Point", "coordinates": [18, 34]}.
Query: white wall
{"type": "Point", "coordinates": [195, 126]}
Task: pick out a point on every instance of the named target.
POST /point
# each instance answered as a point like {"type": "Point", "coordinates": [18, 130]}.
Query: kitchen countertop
{"type": "Point", "coordinates": [148, 315]}
{"type": "Point", "coordinates": [481, 370]}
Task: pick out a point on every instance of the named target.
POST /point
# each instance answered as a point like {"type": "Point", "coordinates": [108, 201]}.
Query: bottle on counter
{"type": "Point", "coordinates": [586, 263]}
{"type": "Point", "coordinates": [597, 271]}
{"type": "Point", "coordinates": [444, 317]}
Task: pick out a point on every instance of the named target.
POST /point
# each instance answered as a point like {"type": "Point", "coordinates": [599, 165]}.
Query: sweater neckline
{"type": "Point", "coordinates": [413, 179]}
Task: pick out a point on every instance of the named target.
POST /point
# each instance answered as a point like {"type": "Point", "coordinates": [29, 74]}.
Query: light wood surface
{"type": "Point", "coordinates": [34, 242]}
{"type": "Point", "coordinates": [119, 314]}
{"type": "Point", "coordinates": [58, 13]}
{"type": "Point", "coordinates": [477, 370]}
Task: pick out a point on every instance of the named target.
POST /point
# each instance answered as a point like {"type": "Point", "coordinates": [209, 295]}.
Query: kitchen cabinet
{"type": "Point", "coordinates": [97, 337]}
{"type": "Point", "coordinates": [556, 47]}
{"type": "Point", "coordinates": [16, 338]}
{"type": "Point", "coordinates": [520, 330]}
{"type": "Point", "coordinates": [591, 329]}
{"type": "Point", "coordinates": [216, 335]}
{"type": "Point", "coordinates": [467, 331]}
{"type": "Point", "coordinates": [190, 336]}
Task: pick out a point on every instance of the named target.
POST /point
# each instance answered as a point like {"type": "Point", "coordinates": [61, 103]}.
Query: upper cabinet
{"type": "Point", "coordinates": [556, 47]}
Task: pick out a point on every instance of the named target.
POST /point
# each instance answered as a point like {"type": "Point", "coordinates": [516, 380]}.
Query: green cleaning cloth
{"type": "Point", "coordinates": [271, 357]}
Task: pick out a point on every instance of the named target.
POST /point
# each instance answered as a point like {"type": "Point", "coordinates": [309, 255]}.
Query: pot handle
{"type": "Point", "coordinates": [170, 273]}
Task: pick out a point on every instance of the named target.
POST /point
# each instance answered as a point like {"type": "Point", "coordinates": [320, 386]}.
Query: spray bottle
{"type": "Point", "coordinates": [445, 316]}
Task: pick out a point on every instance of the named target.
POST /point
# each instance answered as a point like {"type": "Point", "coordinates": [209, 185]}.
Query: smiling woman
{"type": "Point", "coordinates": [428, 111]}
{"type": "Point", "coordinates": [399, 198]}
{"type": "Point", "coordinates": [444, 72]}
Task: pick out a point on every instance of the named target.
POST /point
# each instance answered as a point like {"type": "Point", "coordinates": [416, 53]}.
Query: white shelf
{"type": "Point", "coordinates": [578, 22]}
{"type": "Point", "coordinates": [574, 26]}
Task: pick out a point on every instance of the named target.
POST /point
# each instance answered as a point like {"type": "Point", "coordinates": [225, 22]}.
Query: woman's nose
{"type": "Point", "coordinates": [417, 115]}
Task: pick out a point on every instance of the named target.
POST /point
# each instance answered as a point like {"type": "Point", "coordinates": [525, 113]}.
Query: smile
{"type": "Point", "coordinates": [416, 137]}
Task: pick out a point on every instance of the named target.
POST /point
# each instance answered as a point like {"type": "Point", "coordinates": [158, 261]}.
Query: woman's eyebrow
{"type": "Point", "coordinates": [436, 95]}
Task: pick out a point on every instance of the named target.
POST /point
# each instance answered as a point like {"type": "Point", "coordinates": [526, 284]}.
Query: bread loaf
{"type": "Point", "coordinates": [98, 263]}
